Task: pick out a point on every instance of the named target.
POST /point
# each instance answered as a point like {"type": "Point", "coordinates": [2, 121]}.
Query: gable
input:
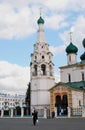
{"type": "Point", "coordinates": [69, 85]}
{"type": "Point", "coordinates": [60, 88]}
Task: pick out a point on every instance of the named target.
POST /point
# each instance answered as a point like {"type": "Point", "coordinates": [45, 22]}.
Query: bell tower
{"type": "Point", "coordinates": [41, 71]}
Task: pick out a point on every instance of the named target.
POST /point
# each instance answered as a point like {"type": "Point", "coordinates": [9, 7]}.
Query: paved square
{"type": "Point", "coordinates": [44, 124]}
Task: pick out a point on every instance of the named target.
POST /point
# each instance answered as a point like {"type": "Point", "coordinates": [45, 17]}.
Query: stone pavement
{"type": "Point", "coordinates": [44, 124]}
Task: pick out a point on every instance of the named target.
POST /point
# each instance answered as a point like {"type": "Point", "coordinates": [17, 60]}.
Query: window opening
{"type": "Point", "coordinates": [43, 68]}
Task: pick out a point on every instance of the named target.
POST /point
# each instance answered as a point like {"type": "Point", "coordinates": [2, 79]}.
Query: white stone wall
{"type": "Point", "coordinates": [41, 36]}
{"type": "Point", "coordinates": [39, 91]}
{"type": "Point", "coordinates": [40, 98]}
{"type": "Point", "coordinates": [71, 59]}
{"type": "Point", "coordinates": [76, 98]}
{"type": "Point", "coordinates": [75, 72]}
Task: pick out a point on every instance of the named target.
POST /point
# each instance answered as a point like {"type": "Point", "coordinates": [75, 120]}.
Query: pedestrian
{"type": "Point", "coordinates": [35, 117]}
{"type": "Point", "coordinates": [53, 114]}
{"type": "Point", "coordinates": [62, 111]}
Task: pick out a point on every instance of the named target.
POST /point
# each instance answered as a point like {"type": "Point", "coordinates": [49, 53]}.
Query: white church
{"type": "Point", "coordinates": [69, 94]}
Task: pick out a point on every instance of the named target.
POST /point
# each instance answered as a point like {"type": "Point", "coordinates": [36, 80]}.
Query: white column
{"type": "Point", "coordinates": [55, 109]}
{"type": "Point", "coordinates": [69, 111]}
{"type": "Point", "coordinates": [83, 111]}
{"type": "Point", "coordinates": [22, 112]}
{"type": "Point", "coordinates": [11, 112]}
{"type": "Point", "coordinates": [45, 113]}
{"type": "Point", "coordinates": [47, 71]}
{"type": "Point", "coordinates": [2, 112]}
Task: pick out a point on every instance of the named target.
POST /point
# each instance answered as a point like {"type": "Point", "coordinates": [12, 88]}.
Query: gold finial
{"type": "Point", "coordinates": [70, 36]}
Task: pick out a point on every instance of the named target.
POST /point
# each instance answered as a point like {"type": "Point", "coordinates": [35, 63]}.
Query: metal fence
{"type": "Point", "coordinates": [76, 111]}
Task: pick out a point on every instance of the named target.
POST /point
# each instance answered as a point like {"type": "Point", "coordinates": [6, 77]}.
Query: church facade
{"type": "Point", "coordinates": [45, 93]}
{"type": "Point", "coordinates": [70, 91]}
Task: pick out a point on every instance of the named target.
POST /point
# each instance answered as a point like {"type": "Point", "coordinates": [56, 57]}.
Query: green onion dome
{"type": "Point", "coordinates": [83, 42]}
{"type": "Point", "coordinates": [82, 57]}
{"type": "Point", "coordinates": [40, 20]}
{"type": "Point", "coordinates": [71, 49]}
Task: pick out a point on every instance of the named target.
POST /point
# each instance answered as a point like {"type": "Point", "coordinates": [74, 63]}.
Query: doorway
{"type": "Point", "coordinates": [61, 104]}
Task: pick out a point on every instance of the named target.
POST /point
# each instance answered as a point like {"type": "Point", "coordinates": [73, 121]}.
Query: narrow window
{"type": "Point", "coordinates": [79, 103]}
{"type": "Point", "coordinates": [35, 70]}
{"type": "Point", "coordinates": [50, 57]}
{"type": "Point", "coordinates": [42, 57]}
{"type": "Point", "coordinates": [50, 70]}
{"type": "Point", "coordinates": [70, 58]}
{"type": "Point", "coordinates": [35, 57]}
{"type": "Point", "coordinates": [43, 68]}
{"type": "Point", "coordinates": [82, 76]}
{"type": "Point", "coordinates": [69, 78]}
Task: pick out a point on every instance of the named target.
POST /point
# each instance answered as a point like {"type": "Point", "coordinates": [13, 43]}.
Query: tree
{"type": "Point", "coordinates": [28, 98]}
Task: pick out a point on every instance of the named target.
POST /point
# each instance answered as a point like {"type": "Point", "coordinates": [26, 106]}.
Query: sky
{"type": "Point", "coordinates": [18, 34]}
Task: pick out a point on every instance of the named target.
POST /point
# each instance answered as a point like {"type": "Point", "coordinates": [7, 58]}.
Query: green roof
{"type": "Point", "coordinates": [71, 48]}
{"type": "Point", "coordinates": [82, 57]}
{"type": "Point", "coordinates": [83, 42]}
{"type": "Point", "coordinates": [77, 85]}
{"type": "Point", "coordinates": [40, 20]}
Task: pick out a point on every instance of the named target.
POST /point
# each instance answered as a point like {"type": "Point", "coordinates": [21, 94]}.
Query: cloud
{"type": "Point", "coordinates": [57, 78]}
{"type": "Point", "coordinates": [17, 17]}
{"type": "Point", "coordinates": [15, 22]}
{"type": "Point", "coordinates": [56, 5]}
{"type": "Point", "coordinates": [78, 34]}
{"type": "Point", "coordinates": [60, 6]}
{"type": "Point", "coordinates": [57, 50]}
{"type": "Point", "coordinates": [13, 78]}
{"type": "Point", "coordinates": [58, 21]}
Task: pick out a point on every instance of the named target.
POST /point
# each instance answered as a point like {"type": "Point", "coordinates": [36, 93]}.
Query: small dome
{"type": "Point", "coordinates": [40, 20]}
{"type": "Point", "coordinates": [71, 48]}
{"type": "Point", "coordinates": [82, 57]}
{"type": "Point", "coordinates": [83, 42]}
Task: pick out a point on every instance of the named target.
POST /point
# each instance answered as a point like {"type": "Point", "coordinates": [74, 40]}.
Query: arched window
{"type": "Point", "coordinates": [42, 57]}
{"type": "Point", "coordinates": [70, 58]}
{"type": "Point", "coordinates": [43, 69]}
{"type": "Point", "coordinates": [79, 103]}
{"type": "Point", "coordinates": [50, 70]}
{"type": "Point", "coordinates": [64, 100]}
{"type": "Point", "coordinates": [82, 76]}
{"type": "Point", "coordinates": [35, 57]}
{"type": "Point", "coordinates": [35, 70]}
{"type": "Point", "coordinates": [69, 78]}
{"type": "Point", "coordinates": [58, 101]}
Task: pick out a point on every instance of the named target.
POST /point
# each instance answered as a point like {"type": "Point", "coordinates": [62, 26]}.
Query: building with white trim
{"type": "Point", "coordinates": [11, 100]}
{"type": "Point", "coordinates": [8, 102]}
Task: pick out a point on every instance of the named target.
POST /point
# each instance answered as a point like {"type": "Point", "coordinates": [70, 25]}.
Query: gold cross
{"type": "Point", "coordinates": [40, 11]}
{"type": "Point", "coordinates": [70, 36]}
